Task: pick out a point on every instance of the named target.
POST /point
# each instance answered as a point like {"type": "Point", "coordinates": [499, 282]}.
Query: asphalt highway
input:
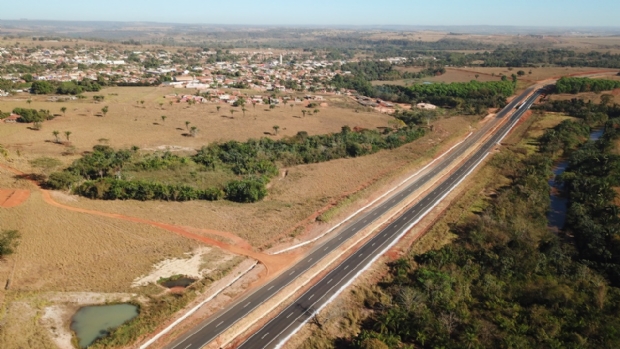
{"type": "Point", "coordinates": [290, 319]}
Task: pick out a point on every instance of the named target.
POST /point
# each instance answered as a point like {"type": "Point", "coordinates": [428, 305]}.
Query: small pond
{"type": "Point", "coordinates": [178, 280]}
{"type": "Point", "coordinates": [93, 322]}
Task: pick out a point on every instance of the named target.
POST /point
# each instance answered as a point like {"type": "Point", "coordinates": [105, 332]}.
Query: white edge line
{"type": "Point", "coordinates": [377, 256]}
{"type": "Point", "coordinates": [194, 309]}
{"type": "Point", "coordinates": [394, 241]}
{"type": "Point", "coordinates": [371, 203]}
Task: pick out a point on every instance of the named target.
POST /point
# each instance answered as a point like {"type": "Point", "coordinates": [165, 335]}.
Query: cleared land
{"type": "Point", "coordinates": [13, 197]}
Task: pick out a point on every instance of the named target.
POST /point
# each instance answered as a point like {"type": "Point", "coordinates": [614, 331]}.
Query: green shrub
{"type": "Point", "coordinates": [246, 190]}
{"type": "Point", "coordinates": [62, 180]}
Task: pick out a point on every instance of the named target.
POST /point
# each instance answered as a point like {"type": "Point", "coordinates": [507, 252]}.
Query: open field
{"type": "Point", "coordinates": [68, 251]}
{"type": "Point", "coordinates": [304, 190]}
{"type": "Point", "coordinates": [588, 96]}
{"type": "Point", "coordinates": [451, 75]}
{"type": "Point", "coordinates": [129, 123]}
{"type": "Point", "coordinates": [536, 75]}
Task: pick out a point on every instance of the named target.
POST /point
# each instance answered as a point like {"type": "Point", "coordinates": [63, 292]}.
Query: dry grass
{"type": "Point", "coordinates": [21, 329]}
{"type": "Point", "coordinates": [129, 123]}
{"type": "Point", "coordinates": [291, 199]}
{"type": "Point", "coordinates": [68, 251]}
{"type": "Point", "coordinates": [451, 75]}
{"type": "Point", "coordinates": [536, 75]}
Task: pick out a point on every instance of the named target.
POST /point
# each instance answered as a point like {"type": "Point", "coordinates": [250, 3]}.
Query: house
{"type": "Point", "coordinates": [11, 119]}
{"type": "Point", "coordinates": [184, 78]}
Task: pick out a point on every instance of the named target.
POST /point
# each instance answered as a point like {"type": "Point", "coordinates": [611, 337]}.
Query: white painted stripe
{"type": "Point", "coordinates": [374, 201]}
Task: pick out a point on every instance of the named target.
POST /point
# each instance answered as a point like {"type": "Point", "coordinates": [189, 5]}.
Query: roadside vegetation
{"type": "Point", "coordinates": [506, 280]}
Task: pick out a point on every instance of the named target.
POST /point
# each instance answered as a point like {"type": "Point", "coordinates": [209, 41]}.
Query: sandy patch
{"type": "Point", "coordinates": [194, 266]}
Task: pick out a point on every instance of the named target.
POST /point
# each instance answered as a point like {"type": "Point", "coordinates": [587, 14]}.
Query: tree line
{"type": "Point", "coordinates": [100, 174]}
{"type": "Point", "coordinates": [577, 85]}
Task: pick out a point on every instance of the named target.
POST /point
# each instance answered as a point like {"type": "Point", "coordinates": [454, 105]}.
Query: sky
{"type": "Point", "coordinates": [563, 13]}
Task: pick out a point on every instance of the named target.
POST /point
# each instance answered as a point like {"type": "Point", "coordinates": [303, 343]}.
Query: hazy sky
{"type": "Point", "coordinates": [326, 12]}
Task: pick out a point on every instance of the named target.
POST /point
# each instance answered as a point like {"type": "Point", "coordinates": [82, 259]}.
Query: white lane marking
{"type": "Point", "coordinates": [365, 220]}
{"type": "Point", "coordinates": [345, 268]}
{"type": "Point", "coordinates": [269, 289]}
{"type": "Point", "coordinates": [361, 254]}
{"type": "Point", "coordinates": [293, 272]}
{"type": "Point", "coordinates": [309, 259]}
{"type": "Point", "coordinates": [247, 304]}
{"type": "Point", "coordinates": [218, 325]}
{"type": "Point", "coordinates": [326, 248]}
{"type": "Point", "coordinates": [190, 344]}
{"type": "Point", "coordinates": [373, 243]}
{"type": "Point", "coordinates": [265, 335]}
{"type": "Point", "coordinates": [330, 280]}
{"type": "Point", "coordinates": [340, 238]}
{"type": "Point", "coordinates": [289, 315]}
{"type": "Point", "coordinates": [311, 297]}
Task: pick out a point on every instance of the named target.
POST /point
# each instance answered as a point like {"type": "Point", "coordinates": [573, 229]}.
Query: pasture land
{"type": "Point", "coordinates": [129, 122]}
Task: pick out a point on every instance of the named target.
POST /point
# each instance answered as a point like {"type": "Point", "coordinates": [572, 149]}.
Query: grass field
{"type": "Point", "coordinates": [128, 123]}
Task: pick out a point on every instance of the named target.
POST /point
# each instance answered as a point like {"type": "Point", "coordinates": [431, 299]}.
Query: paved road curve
{"type": "Point", "coordinates": [295, 315]}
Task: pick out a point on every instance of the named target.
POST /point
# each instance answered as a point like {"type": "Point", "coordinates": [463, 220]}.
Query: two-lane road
{"type": "Point", "coordinates": [285, 323]}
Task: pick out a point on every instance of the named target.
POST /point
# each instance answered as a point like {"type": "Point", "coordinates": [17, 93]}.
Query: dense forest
{"type": "Point", "coordinates": [100, 174]}
{"type": "Point", "coordinates": [591, 181]}
{"type": "Point", "coordinates": [507, 281]}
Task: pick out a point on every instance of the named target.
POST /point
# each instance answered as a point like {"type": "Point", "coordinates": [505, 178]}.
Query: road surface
{"type": "Point", "coordinates": [293, 317]}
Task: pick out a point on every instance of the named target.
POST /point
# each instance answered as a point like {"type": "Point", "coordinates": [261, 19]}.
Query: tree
{"type": "Point", "coordinates": [218, 108]}
{"type": "Point", "coordinates": [9, 240]}
{"type": "Point", "coordinates": [64, 111]}
{"type": "Point", "coordinates": [606, 99]}
{"type": "Point", "coordinates": [170, 103]}
{"type": "Point", "coordinates": [67, 134]}
{"type": "Point", "coordinates": [520, 73]}
{"type": "Point", "coordinates": [243, 110]}
{"type": "Point", "coordinates": [142, 102]}
{"type": "Point", "coordinates": [232, 111]}
{"type": "Point", "coordinates": [477, 75]}
{"type": "Point", "coordinates": [161, 105]}
{"type": "Point", "coordinates": [163, 118]}
{"type": "Point", "coordinates": [104, 110]}
{"type": "Point", "coordinates": [303, 111]}
{"type": "Point", "coordinates": [316, 111]}
{"type": "Point", "coordinates": [187, 125]}
{"type": "Point", "coordinates": [276, 128]}
{"type": "Point", "coordinates": [42, 88]}
{"type": "Point", "coordinates": [29, 101]}
{"type": "Point", "coordinates": [193, 130]}
{"type": "Point", "coordinates": [56, 133]}
{"type": "Point", "coordinates": [3, 152]}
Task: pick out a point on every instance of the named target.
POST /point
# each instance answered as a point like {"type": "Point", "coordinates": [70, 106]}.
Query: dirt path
{"type": "Point", "coordinates": [13, 197]}
{"type": "Point", "coordinates": [273, 263]}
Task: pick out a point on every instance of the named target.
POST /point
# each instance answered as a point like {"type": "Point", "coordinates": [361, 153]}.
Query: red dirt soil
{"type": "Point", "coordinates": [273, 263]}
{"type": "Point", "coordinates": [13, 197]}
